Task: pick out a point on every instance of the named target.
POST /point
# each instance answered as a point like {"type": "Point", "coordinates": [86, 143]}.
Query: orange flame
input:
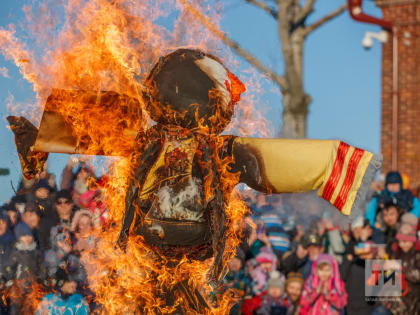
{"type": "Point", "coordinates": [105, 45]}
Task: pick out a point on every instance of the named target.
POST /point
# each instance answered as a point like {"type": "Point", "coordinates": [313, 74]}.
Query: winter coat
{"type": "Point", "coordinates": [25, 263]}
{"type": "Point", "coordinates": [353, 274]}
{"type": "Point", "coordinates": [57, 258]}
{"type": "Point", "coordinates": [54, 304]}
{"type": "Point", "coordinates": [259, 275]}
{"type": "Point", "coordinates": [331, 302]}
{"type": "Point", "coordinates": [7, 241]}
{"type": "Point", "coordinates": [266, 305]}
{"type": "Point", "coordinates": [409, 303]}
{"type": "Point", "coordinates": [291, 263]}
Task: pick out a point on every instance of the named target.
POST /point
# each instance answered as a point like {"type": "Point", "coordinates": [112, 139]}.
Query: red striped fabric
{"type": "Point", "coordinates": [348, 181]}
{"type": "Point", "coordinates": [332, 182]}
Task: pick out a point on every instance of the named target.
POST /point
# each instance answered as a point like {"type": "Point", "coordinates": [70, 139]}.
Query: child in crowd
{"type": "Point", "coordinates": [294, 288]}
{"type": "Point", "coordinates": [324, 291]}
{"type": "Point", "coordinates": [238, 280]}
{"type": "Point", "coordinates": [25, 268]}
{"type": "Point", "coordinates": [61, 254]}
{"type": "Point", "coordinates": [66, 301]}
{"type": "Point", "coordinates": [409, 301]}
{"type": "Point", "coordinates": [273, 301]}
{"type": "Point", "coordinates": [83, 225]}
{"type": "Point", "coordinates": [267, 263]}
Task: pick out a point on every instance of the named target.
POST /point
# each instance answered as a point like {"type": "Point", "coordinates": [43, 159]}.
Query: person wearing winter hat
{"type": "Point", "coordinates": [32, 216]}
{"type": "Point", "coordinates": [271, 301]}
{"type": "Point", "coordinates": [66, 300]}
{"type": "Point", "coordinates": [274, 301]}
{"type": "Point", "coordinates": [393, 192]}
{"type": "Point", "coordinates": [61, 214]}
{"type": "Point", "coordinates": [294, 288]}
{"type": "Point", "coordinates": [267, 262]}
{"type": "Point", "coordinates": [409, 301]}
{"type": "Point", "coordinates": [25, 268]}
{"type": "Point", "coordinates": [324, 291]}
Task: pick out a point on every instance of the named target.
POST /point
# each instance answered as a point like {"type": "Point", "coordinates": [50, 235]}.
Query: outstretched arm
{"type": "Point", "coordinates": [78, 122]}
{"type": "Point", "coordinates": [340, 172]}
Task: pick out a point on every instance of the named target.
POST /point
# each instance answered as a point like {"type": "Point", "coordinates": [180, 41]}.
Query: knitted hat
{"type": "Point", "coordinates": [65, 194]}
{"type": "Point", "coordinates": [294, 277]}
{"type": "Point", "coordinates": [406, 232]}
{"type": "Point", "coordinates": [43, 183]}
{"type": "Point", "coordinates": [393, 178]}
{"type": "Point", "coordinates": [265, 258]}
{"type": "Point", "coordinates": [276, 280]}
{"type": "Point", "coordinates": [359, 221]}
{"type": "Point", "coordinates": [22, 229]}
{"type": "Point", "coordinates": [409, 218]}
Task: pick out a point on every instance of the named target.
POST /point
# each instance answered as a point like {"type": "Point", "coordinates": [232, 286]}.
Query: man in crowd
{"type": "Point", "coordinates": [394, 193]}
{"type": "Point", "coordinates": [31, 217]}
{"type": "Point", "coordinates": [62, 215]}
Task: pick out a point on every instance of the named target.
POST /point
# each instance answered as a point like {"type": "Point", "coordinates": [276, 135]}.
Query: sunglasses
{"type": "Point", "coordinates": [63, 202]}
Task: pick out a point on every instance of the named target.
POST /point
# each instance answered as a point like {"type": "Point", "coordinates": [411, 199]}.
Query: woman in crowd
{"type": "Point", "coordinates": [324, 291]}
{"type": "Point", "coordinates": [409, 301]}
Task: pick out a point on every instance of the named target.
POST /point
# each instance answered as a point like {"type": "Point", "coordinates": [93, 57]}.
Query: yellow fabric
{"type": "Point", "coordinates": [293, 165]}
{"type": "Point", "coordinates": [305, 165]}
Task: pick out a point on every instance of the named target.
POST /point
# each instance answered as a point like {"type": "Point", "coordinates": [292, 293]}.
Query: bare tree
{"type": "Point", "coordinates": [292, 29]}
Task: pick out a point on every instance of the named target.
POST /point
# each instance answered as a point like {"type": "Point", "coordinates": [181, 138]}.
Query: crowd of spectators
{"type": "Point", "coordinates": [280, 267]}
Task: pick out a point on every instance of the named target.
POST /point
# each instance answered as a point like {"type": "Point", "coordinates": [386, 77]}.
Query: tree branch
{"type": "Point", "coordinates": [203, 19]}
{"type": "Point", "coordinates": [309, 29]}
{"type": "Point", "coordinates": [307, 9]}
{"type": "Point", "coordinates": [264, 6]}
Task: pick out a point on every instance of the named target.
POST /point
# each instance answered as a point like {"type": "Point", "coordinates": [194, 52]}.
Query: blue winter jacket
{"type": "Point", "coordinates": [53, 304]}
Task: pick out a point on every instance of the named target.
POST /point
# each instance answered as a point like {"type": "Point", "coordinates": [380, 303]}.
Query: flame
{"type": "Point", "coordinates": [104, 45]}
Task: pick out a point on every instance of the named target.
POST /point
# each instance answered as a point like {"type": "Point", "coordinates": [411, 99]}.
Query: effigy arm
{"type": "Point", "coordinates": [341, 173]}
{"type": "Point", "coordinates": [78, 122]}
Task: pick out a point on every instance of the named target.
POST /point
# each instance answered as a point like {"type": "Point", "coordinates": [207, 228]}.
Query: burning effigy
{"type": "Point", "coordinates": [175, 218]}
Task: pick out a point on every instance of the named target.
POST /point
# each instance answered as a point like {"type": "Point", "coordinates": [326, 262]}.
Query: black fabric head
{"type": "Point", "coordinates": [189, 88]}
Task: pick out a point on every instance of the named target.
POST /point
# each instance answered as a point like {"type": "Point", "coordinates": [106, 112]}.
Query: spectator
{"type": "Point", "coordinates": [66, 301]}
{"type": "Point", "coordinates": [7, 240]}
{"type": "Point", "coordinates": [76, 182]}
{"type": "Point", "coordinates": [238, 280]}
{"type": "Point", "coordinates": [409, 303]}
{"type": "Point", "coordinates": [62, 215]}
{"type": "Point", "coordinates": [25, 267]}
{"type": "Point", "coordinates": [294, 288]}
{"type": "Point", "coordinates": [31, 217]}
{"type": "Point", "coordinates": [267, 262]}
{"type": "Point", "coordinates": [274, 302]}
{"type": "Point", "coordinates": [279, 239]}
{"type": "Point", "coordinates": [294, 261]}
{"type": "Point", "coordinates": [258, 239]}
{"type": "Point", "coordinates": [271, 301]}
{"type": "Point", "coordinates": [324, 291]}
{"type": "Point", "coordinates": [41, 195]}
{"type": "Point", "coordinates": [91, 200]}
{"type": "Point", "coordinates": [12, 214]}
{"type": "Point", "coordinates": [83, 225]}
{"type": "Point", "coordinates": [61, 255]}
{"type": "Point", "coordinates": [331, 238]}
{"type": "Point", "coordinates": [390, 217]}
{"type": "Point", "coordinates": [395, 193]}
{"type": "Point", "coordinates": [314, 248]}
{"type": "Point", "coordinates": [353, 270]}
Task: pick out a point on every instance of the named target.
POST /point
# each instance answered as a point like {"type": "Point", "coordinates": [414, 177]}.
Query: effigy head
{"type": "Point", "coordinates": [189, 88]}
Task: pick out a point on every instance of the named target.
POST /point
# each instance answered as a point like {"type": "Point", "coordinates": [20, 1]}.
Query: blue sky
{"type": "Point", "coordinates": [342, 78]}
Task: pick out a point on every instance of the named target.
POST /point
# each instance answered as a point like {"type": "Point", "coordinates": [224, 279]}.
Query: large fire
{"type": "Point", "coordinates": [104, 45]}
